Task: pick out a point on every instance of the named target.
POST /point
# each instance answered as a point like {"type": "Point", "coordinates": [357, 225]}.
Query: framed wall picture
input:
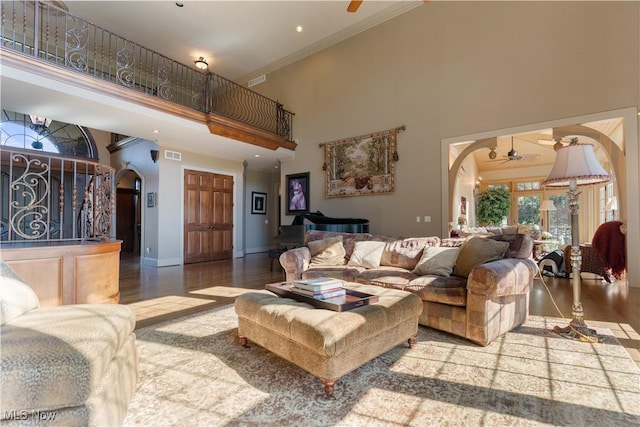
{"type": "Point", "coordinates": [258, 203]}
{"type": "Point", "coordinates": [297, 193]}
{"type": "Point", "coordinates": [151, 200]}
{"type": "Point", "coordinates": [361, 165]}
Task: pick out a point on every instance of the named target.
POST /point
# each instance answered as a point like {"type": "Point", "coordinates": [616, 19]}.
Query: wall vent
{"type": "Point", "coordinates": [172, 155]}
{"type": "Point", "coordinates": [257, 80]}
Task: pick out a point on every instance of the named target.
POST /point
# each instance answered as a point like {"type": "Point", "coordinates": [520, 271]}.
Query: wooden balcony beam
{"type": "Point", "coordinates": [229, 128]}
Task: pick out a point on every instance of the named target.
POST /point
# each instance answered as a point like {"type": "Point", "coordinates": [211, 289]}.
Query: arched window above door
{"type": "Point", "coordinates": [31, 132]}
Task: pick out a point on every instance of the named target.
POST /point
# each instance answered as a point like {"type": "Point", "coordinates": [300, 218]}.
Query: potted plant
{"type": "Point", "coordinates": [493, 206]}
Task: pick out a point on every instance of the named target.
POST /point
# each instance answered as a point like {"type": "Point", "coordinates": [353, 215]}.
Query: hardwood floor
{"type": "Point", "coordinates": [164, 293]}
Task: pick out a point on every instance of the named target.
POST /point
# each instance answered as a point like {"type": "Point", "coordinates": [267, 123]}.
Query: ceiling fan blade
{"type": "Point", "coordinates": [549, 142]}
{"type": "Point", "coordinates": [529, 157]}
{"type": "Point", "coordinates": [354, 5]}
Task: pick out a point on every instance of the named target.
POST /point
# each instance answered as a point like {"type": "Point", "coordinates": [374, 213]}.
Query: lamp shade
{"type": "Point", "coordinates": [576, 162]}
{"type": "Point", "coordinates": [547, 205]}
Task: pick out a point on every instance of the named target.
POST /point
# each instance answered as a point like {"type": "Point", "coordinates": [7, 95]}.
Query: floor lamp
{"type": "Point", "coordinates": [576, 165]}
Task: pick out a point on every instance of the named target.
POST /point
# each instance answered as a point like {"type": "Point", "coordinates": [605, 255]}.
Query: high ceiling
{"type": "Point", "coordinates": [237, 38]}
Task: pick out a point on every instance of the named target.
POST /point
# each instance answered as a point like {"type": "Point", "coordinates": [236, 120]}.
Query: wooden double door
{"type": "Point", "coordinates": [208, 216]}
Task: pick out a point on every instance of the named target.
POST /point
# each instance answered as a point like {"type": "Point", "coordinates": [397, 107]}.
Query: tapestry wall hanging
{"type": "Point", "coordinates": [361, 165]}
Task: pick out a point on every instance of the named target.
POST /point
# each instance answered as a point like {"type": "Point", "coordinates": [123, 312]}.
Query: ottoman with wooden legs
{"type": "Point", "coordinates": [328, 344]}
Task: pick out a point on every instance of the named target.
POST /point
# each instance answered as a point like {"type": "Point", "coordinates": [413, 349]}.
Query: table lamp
{"type": "Point", "coordinates": [546, 206]}
{"type": "Point", "coordinates": [576, 165]}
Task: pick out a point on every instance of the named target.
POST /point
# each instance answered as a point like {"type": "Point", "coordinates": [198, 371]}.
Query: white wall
{"type": "Point", "coordinates": [447, 69]}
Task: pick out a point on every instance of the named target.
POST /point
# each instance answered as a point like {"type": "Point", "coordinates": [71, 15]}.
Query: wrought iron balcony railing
{"type": "Point", "coordinates": [51, 34]}
{"type": "Point", "coordinates": [54, 198]}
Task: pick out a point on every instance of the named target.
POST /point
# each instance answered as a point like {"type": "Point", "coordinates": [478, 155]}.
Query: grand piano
{"type": "Point", "coordinates": [326, 223]}
{"type": "Point", "coordinates": [292, 236]}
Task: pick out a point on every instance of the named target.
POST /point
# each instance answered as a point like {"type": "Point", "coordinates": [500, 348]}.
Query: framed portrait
{"type": "Point", "coordinates": [297, 193]}
{"type": "Point", "coordinates": [258, 203]}
{"type": "Point", "coordinates": [151, 200]}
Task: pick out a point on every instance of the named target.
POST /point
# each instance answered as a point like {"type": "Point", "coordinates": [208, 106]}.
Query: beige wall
{"type": "Point", "coordinates": [136, 157]}
{"type": "Point", "coordinates": [163, 231]}
{"type": "Point", "coordinates": [260, 230]}
{"type": "Point", "coordinates": [170, 209]}
{"type": "Point", "coordinates": [447, 69]}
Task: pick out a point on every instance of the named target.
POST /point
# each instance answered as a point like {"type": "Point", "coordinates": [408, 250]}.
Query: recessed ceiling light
{"type": "Point", "coordinates": [256, 155]}
{"type": "Point", "coordinates": [156, 131]}
{"type": "Point", "coordinates": [299, 28]}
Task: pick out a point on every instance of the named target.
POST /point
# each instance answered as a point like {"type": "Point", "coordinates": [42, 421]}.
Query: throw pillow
{"type": "Point", "coordinates": [367, 254]}
{"type": "Point", "coordinates": [405, 253]}
{"type": "Point", "coordinates": [327, 251]}
{"type": "Point", "coordinates": [476, 251]}
{"type": "Point", "coordinates": [438, 261]}
{"type": "Point", "coordinates": [17, 297]}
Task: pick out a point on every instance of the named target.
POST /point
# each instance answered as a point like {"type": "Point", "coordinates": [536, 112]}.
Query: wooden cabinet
{"type": "Point", "coordinates": [68, 273]}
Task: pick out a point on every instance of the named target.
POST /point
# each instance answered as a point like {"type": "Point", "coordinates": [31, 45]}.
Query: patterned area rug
{"type": "Point", "coordinates": [193, 372]}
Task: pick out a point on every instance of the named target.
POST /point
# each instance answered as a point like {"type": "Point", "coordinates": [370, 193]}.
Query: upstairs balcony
{"type": "Point", "coordinates": [50, 40]}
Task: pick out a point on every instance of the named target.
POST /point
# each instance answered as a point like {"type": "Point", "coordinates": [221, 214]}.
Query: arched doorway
{"type": "Point", "coordinates": [129, 212]}
{"type": "Point", "coordinates": [625, 167]}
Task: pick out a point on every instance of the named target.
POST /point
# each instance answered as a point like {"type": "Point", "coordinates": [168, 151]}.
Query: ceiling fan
{"type": "Point", "coordinates": [512, 155]}
{"type": "Point", "coordinates": [355, 4]}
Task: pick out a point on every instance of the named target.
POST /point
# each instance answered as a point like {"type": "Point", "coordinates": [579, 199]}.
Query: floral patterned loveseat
{"type": "Point", "coordinates": [476, 288]}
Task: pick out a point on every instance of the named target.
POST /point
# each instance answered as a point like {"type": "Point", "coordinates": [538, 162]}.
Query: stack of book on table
{"type": "Point", "coordinates": [319, 287]}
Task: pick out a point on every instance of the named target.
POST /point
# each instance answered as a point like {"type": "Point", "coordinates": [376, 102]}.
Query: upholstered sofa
{"type": "Point", "coordinates": [65, 365]}
{"type": "Point", "coordinates": [476, 288]}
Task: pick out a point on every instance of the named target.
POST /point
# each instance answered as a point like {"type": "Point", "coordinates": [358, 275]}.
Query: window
{"type": "Point", "coordinates": [17, 131]}
{"type": "Point", "coordinates": [527, 186]}
{"type": "Point", "coordinates": [560, 219]}
{"type": "Point", "coordinates": [525, 207]}
{"type": "Point", "coordinates": [492, 186]}
{"type": "Point", "coordinates": [607, 209]}
{"type": "Point", "coordinates": [528, 209]}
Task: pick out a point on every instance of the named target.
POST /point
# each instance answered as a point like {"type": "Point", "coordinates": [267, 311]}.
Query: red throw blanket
{"type": "Point", "coordinates": [609, 244]}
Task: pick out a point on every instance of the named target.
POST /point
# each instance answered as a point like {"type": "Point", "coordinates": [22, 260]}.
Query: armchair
{"type": "Point", "coordinates": [77, 364]}
{"type": "Point", "coordinates": [591, 262]}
